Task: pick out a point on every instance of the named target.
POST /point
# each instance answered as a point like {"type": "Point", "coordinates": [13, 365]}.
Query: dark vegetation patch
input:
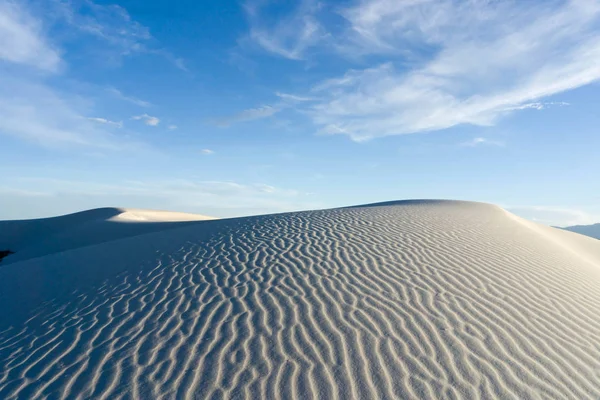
{"type": "Point", "coordinates": [4, 253]}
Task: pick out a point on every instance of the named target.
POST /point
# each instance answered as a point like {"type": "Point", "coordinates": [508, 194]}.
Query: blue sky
{"type": "Point", "coordinates": [234, 108]}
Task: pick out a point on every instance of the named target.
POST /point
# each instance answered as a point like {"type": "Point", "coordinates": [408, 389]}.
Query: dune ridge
{"type": "Point", "coordinates": [39, 237]}
{"type": "Point", "coordinates": [427, 299]}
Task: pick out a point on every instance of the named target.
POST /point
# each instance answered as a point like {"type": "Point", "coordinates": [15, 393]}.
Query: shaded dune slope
{"type": "Point", "coordinates": [39, 237]}
{"type": "Point", "coordinates": [402, 300]}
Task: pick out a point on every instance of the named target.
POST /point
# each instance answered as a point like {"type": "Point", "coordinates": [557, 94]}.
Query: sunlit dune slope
{"type": "Point", "coordinates": [408, 300]}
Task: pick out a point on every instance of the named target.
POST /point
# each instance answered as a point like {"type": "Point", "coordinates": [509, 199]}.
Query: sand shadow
{"type": "Point", "coordinates": [33, 238]}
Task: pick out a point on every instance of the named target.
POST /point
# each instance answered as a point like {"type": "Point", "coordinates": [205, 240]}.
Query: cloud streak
{"type": "Point", "coordinates": [109, 23]}
{"type": "Point", "coordinates": [29, 109]}
{"type": "Point", "coordinates": [217, 198]}
{"type": "Point", "coordinates": [438, 64]}
{"type": "Point", "coordinates": [248, 115]}
{"type": "Point", "coordinates": [32, 108]}
{"type": "Point", "coordinates": [105, 121]}
{"type": "Point", "coordinates": [288, 37]}
{"type": "Point", "coordinates": [294, 98]}
{"type": "Point", "coordinates": [22, 41]}
{"type": "Point", "coordinates": [109, 29]}
{"type": "Point", "coordinates": [34, 112]}
{"type": "Point", "coordinates": [134, 100]}
{"type": "Point", "coordinates": [147, 119]}
{"type": "Point", "coordinates": [480, 141]}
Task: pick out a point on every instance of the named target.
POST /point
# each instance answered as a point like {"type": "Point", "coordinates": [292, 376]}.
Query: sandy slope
{"type": "Point", "coordinates": [421, 299]}
{"type": "Point", "coordinates": [39, 237]}
{"type": "Point", "coordinates": [588, 230]}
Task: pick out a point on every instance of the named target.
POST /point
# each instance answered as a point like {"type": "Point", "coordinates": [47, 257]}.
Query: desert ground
{"type": "Point", "coordinates": [400, 300]}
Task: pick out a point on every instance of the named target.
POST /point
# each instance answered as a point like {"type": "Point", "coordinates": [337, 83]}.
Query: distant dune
{"type": "Point", "coordinates": [407, 300]}
{"type": "Point", "coordinates": [39, 237]}
{"type": "Point", "coordinates": [588, 230]}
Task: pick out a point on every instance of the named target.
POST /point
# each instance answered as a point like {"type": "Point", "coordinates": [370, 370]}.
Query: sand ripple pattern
{"type": "Point", "coordinates": [409, 301]}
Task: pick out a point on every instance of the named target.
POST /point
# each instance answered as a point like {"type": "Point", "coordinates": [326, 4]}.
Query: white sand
{"type": "Point", "coordinates": [420, 299]}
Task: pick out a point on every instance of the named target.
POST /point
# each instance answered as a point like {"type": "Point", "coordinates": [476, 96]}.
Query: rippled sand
{"type": "Point", "coordinates": [409, 300]}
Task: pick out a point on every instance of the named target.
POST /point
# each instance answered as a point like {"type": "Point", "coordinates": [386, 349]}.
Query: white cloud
{"type": "Point", "coordinates": [110, 23]}
{"type": "Point", "coordinates": [293, 98]}
{"type": "Point", "coordinates": [22, 40]}
{"type": "Point", "coordinates": [479, 141]}
{"type": "Point", "coordinates": [31, 108]}
{"type": "Point", "coordinates": [106, 122]}
{"type": "Point", "coordinates": [109, 29]}
{"type": "Point", "coordinates": [435, 64]}
{"type": "Point", "coordinates": [206, 152]}
{"type": "Point", "coordinates": [248, 115]}
{"type": "Point", "coordinates": [147, 119]}
{"type": "Point", "coordinates": [172, 127]}
{"type": "Point", "coordinates": [119, 95]}
{"type": "Point", "coordinates": [37, 113]}
{"type": "Point", "coordinates": [537, 106]}
{"type": "Point", "coordinates": [290, 36]}
{"type": "Point", "coordinates": [180, 63]}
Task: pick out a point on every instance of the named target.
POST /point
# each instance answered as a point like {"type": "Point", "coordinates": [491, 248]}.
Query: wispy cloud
{"type": "Point", "coordinates": [36, 113]}
{"type": "Point", "coordinates": [286, 102]}
{"type": "Point", "coordinates": [29, 109]}
{"type": "Point", "coordinates": [32, 108]}
{"type": "Point", "coordinates": [106, 121]}
{"type": "Point", "coordinates": [147, 119]}
{"type": "Point", "coordinates": [438, 64]}
{"type": "Point", "coordinates": [111, 28]}
{"type": "Point", "coordinates": [22, 41]}
{"type": "Point", "coordinates": [217, 198]}
{"type": "Point", "coordinates": [172, 127]}
{"type": "Point", "coordinates": [206, 152]}
{"type": "Point", "coordinates": [134, 100]}
{"type": "Point", "coordinates": [110, 23]}
{"type": "Point", "coordinates": [293, 97]}
{"type": "Point", "coordinates": [288, 37]}
{"type": "Point", "coordinates": [178, 62]}
{"type": "Point", "coordinates": [537, 106]}
{"type": "Point", "coordinates": [480, 141]}
{"type": "Point", "coordinates": [248, 115]}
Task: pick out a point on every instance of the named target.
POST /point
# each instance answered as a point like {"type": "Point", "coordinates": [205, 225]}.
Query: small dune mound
{"type": "Point", "coordinates": [39, 237]}
{"type": "Point", "coordinates": [405, 300]}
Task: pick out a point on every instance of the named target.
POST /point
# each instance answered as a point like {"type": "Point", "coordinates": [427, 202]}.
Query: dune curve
{"type": "Point", "coordinates": [407, 300]}
{"type": "Point", "coordinates": [39, 237]}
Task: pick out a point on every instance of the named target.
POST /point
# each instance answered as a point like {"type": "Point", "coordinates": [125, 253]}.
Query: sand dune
{"type": "Point", "coordinates": [408, 300]}
{"type": "Point", "coordinates": [39, 237]}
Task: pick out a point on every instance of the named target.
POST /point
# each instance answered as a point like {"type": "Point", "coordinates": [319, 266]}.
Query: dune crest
{"type": "Point", "coordinates": [139, 215]}
{"type": "Point", "coordinates": [410, 300]}
{"type": "Point", "coordinates": [39, 237]}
